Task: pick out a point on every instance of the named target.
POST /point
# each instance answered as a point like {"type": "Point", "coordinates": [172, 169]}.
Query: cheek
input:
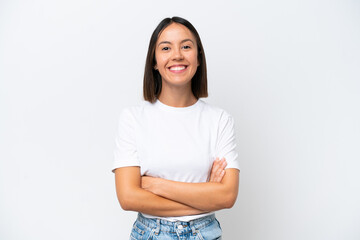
{"type": "Point", "coordinates": [195, 60]}
{"type": "Point", "coordinates": [160, 56]}
{"type": "Point", "coordinates": [160, 61]}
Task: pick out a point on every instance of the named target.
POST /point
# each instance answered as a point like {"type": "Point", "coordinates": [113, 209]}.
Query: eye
{"type": "Point", "coordinates": [186, 47]}
{"type": "Point", "coordinates": [165, 48]}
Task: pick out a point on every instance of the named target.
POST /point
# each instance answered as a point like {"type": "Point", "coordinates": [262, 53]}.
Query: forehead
{"type": "Point", "coordinates": [175, 32]}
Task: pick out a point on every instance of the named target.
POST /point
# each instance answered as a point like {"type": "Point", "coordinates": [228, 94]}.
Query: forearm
{"type": "Point", "coordinates": [133, 198]}
{"type": "Point", "coordinates": [208, 196]}
{"type": "Point", "coordinates": [146, 202]}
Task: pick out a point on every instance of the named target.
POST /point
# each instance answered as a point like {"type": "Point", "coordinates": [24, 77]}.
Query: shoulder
{"type": "Point", "coordinates": [216, 111]}
{"type": "Point", "coordinates": [129, 115]}
{"type": "Point", "coordinates": [133, 111]}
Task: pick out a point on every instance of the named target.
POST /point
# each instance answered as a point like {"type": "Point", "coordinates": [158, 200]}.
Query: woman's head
{"type": "Point", "coordinates": [159, 50]}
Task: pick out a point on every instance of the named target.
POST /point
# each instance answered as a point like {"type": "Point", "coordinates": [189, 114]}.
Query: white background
{"type": "Point", "coordinates": [288, 71]}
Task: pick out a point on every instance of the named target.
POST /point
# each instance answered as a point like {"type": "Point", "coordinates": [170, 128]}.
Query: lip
{"type": "Point", "coordinates": [178, 66]}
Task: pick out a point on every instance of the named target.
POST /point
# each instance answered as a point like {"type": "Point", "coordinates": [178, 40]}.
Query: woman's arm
{"type": "Point", "coordinates": [209, 196]}
{"type": "Point", "coordinates": [133, 198]}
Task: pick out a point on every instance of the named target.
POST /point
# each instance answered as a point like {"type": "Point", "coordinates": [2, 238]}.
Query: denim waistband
{"type": "Point", "coordinates": [168, 226]}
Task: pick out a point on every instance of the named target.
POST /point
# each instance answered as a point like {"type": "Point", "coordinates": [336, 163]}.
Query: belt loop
{"type": "Point", "coordinates": [157, 230]}
{"type": "Point", "coordinates": [192, 226]}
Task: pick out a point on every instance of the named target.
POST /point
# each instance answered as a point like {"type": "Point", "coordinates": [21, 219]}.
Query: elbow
{"type": "Point", "coordinates": [128, 199]}
{"type": "Point", "coordinates": [229, 201]}
{"type": "Point", "coordinates": [224, 200]}
{"type": "Point", "coordinates": [126, 203]}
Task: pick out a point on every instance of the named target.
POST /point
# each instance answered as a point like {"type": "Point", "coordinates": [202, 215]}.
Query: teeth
{"type": "Point", "coordinates": [177, 68]}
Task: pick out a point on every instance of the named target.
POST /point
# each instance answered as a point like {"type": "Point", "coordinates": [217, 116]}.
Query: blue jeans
{"type": "Point", "coordinates": [205, 228]}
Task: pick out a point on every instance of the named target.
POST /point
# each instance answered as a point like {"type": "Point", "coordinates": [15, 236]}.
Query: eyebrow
{"type": "Point", "coordinates": [185, 40]}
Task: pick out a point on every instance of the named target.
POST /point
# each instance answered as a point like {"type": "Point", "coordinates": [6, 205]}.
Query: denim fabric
{"type": "Point", "coordinates": [205, 228]}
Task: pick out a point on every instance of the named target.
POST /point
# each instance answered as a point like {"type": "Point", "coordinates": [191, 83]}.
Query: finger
{"type": "Point", "coordinates": [214, 169]}
{"type": "Point", "coordinates": [220, 168]}
{"type": "Point", "coordinates": [221, 175]}
{"type": "Point", "coordinates": [218, 177]}
{"type": "Point", "coordinates": [217, 168]}
{"type": "Point", "coordinates": [224, 164]}
{"type": "Point", "coordinates": [221, 171]}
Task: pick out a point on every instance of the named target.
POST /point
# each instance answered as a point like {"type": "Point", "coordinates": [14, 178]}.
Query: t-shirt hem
{"type": "Point", "coordinates": [124, 165]}
{"type": "Point", "coordinates": [180, 218]}
{"type": "Point", "coordinates": [232, 166]}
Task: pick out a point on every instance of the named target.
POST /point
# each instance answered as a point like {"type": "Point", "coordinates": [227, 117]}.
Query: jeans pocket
{"type": "Point", "coordinates": [218, 223]}
{"type": "Point", "coordinates": [210, 232]}
{"type": "Point", "coordinates": [138, 232]}
{"type": "Point", "coordinates": [201, 237]}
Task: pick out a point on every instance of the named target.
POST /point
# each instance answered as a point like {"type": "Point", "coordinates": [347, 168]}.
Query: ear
{"type": "Point", "coordinates": [155, 67]}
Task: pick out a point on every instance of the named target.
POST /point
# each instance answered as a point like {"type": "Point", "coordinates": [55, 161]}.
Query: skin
{"type": "Point", "coordinates": [218, 170]}
{"type": "Point", "coordinates": [132, 197]}
{"type": "Point", "coordinates": [215, 195]}
{"type": "Point", "coordinates": [176, 47]}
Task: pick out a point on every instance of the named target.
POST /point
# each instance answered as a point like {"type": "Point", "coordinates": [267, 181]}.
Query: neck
{"type": "Point", "coordinates": [177, 97]}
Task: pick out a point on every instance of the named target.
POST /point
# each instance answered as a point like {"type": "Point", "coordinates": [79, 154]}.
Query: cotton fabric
{"type": "Point", "coordinates": [175, 143]}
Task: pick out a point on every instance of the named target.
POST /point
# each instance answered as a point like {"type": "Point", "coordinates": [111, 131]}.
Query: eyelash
{"type": "Point", "coordinates": [167, 48]}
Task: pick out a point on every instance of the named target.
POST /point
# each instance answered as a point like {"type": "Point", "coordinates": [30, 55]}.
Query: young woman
{"type": "Point", "coordinates": [175, 159]}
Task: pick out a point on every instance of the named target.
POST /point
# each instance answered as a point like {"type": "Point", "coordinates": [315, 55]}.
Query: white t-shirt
{"type": "Point", "coordinates": [175, 143]}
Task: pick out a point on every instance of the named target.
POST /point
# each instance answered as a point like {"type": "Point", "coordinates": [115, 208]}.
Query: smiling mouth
{"type": "Point", "coordinates": [179, 68]}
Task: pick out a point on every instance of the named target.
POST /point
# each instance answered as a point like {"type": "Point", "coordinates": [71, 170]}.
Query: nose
{"type": "Point", "coordinates": [177, 54]}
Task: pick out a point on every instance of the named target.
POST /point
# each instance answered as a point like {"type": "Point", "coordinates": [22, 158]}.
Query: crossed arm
{"type": "Point", "coordinates": [161, 197]}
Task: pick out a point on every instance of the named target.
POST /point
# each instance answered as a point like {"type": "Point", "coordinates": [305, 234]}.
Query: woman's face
{"type": "Point", "coordinates": [176, 55]}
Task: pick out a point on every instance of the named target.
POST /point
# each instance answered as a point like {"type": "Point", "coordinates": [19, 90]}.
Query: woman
{"type": "Point", "coordinates": [175, 158]}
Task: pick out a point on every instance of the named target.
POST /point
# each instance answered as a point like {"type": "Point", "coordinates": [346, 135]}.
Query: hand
{"type": "Point", "coordinates": [218, 170]}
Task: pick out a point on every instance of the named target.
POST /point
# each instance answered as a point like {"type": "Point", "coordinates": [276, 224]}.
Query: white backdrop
{"type": "Point", "coordinates": [288, 71]}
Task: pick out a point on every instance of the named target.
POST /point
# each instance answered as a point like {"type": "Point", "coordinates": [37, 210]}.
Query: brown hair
{"type": "Point", "coordinates": [152, 78]}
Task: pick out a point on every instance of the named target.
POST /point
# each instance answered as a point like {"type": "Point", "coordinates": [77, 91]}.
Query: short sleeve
{"type": "Point", "coordinates": [226, 142]}
{"type": "Point", "coordinates": [125, 152]}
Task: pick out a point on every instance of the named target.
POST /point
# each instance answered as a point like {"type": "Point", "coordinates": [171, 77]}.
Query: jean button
{"type": "Point", "coordinates": [180, 227]}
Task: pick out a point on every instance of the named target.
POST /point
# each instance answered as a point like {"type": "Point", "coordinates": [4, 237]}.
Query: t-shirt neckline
{"type": "Point", "coordinates": [163, 106]}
